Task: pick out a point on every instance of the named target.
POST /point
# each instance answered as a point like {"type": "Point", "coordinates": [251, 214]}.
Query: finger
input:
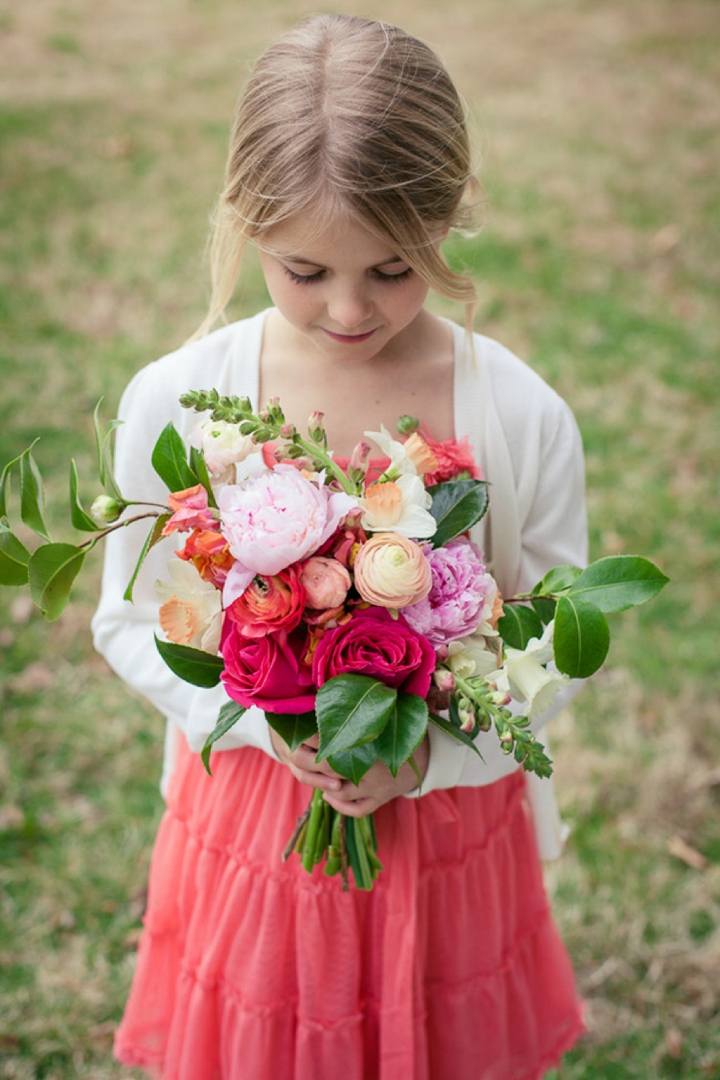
{"type": "Point", "coordinates": [316, 779]}
{"type": "Point", "coordinates": [355, 808]}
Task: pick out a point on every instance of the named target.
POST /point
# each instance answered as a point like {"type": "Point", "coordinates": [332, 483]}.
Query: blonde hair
{"type": "Point", "coordinates": [354, 116]}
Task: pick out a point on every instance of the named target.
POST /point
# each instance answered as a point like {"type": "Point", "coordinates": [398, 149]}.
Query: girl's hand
{"type": "Point", "coordinates": [378, 785]}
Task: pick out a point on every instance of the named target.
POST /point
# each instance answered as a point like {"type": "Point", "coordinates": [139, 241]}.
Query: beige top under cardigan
{"type": "Point", "coordinates": [523, 435]}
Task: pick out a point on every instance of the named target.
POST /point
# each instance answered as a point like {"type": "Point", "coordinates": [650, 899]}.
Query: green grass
{"type": "Point", "coordinates": [598, 263]}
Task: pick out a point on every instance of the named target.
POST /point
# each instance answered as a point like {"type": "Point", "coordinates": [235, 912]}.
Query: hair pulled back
{"type": "Point", "coordinates": [352, 116]}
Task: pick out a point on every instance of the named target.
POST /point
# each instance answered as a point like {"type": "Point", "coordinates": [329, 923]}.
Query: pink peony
{"type": "Point", "coordinates": [455, 605]}
{"type": "Point", "coordinates": [326, 582]}
{"type": "Point", "coordinates": [275, 519]}
{"type": "Point", "coordinates": [373, 643]}
{"type": "Point", "coordinates": [269, 604]}
{"type": "Point", "coordinates": [392, 571]}
{"type": "Point", "coordinates": [266, 671]}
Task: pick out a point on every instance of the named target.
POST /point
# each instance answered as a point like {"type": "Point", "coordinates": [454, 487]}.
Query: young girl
{"type": "Point", "coordinates": [348, 165]}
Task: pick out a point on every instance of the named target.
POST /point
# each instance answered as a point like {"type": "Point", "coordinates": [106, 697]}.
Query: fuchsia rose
{"type": "Point", "coordinates": [373, 643]}
{"type": "Point", "coordinates": [455, 605]}
{"type": "Point", "coordinates": [266, 671]}
{"type": "Point", "coordinates": [274, 520]}
{"type": "Point", "coordinates": [269, 604]}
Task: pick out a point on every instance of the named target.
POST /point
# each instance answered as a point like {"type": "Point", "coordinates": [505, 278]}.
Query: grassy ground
{"type": "Point", "coordinates": [598, 122]}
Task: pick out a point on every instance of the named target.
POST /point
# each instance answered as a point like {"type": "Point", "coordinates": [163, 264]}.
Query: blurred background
{"type": "Point", "coordinates": [596, 125]}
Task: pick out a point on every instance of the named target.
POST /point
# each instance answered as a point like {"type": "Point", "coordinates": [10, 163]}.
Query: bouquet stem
{"type": "Point", "coordinates": [345, 843]}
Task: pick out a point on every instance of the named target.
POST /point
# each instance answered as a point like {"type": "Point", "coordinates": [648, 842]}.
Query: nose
{"type": "Point", "coordinates": [349, 306]}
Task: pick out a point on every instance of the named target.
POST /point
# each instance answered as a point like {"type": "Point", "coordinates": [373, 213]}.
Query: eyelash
{"type": "Point", "coordinates": [309, 279]}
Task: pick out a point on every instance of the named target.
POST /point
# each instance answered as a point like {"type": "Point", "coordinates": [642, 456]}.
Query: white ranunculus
{"type": "Point", "coordinates": [222, 445]}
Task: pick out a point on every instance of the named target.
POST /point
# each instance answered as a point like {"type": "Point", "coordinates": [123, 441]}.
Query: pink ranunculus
{"type": "Point", "coordinates": [191, 511]}
{"type": "Point", "coordinates": [269, 604]}
{"type": "Point", "coordinates": [275, 519]}
{"type": "Point", "coordinates": [455, 605]}
{"type": "Point", "coordinates": [373, 643]}
{"type": "Point", "coordinates": [392, 571]}
{"type": "Point", "coordinates": [266, 671]}
{"type": "Point", "coordinates": [326, 583]}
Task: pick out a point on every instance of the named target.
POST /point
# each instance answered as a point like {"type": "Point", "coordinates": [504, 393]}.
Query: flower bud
{"type": "Point", "coordinates": [359, 460]}
{"type": "Point", "coordinates": [287, 431]}
{"type": "Point", "coordinates": [316, 428]}
{"type": "Point", "coordinates": [442, 653]}
{"type": "Point", "coordinates": [506, 742]}
{"type": "Point", "coordinates": [407, 425]}
{"type": "Point", "coordinates": [499, 698]}
{"type": "Point", "coordinates": [444, 679]}
{"type": "Point", "coordinates": [105, 510]}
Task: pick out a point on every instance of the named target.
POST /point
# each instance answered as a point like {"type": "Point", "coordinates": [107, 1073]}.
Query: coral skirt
{"type": "Point", "coordinates": [251, 969]}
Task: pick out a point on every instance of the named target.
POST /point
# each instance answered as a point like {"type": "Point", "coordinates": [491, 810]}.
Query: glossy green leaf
{"type": "Point", "coordinates": [169, 460]}
{"type": "Point", "coordinates": [80, 519]}
{"type": "Point", "coordinates": [619, 582]}
{"type": "Point", "coordinates": [457, 505]}
{"type": "Point", "coordinates": [556, 580]}
{"type": "Point", "coordinates": [293, 728]}
{"type": "Point", "coordinates": [581, 637]}
{"type": "Point", "coordinates": [153, 537]}
{"type": "Point", "coordinates": [103, 444]}
{"type": "Point", "coordinates": [351, 710]}
{"type": "Point", "coordinates": [14, 557]}
{"type": "Point", "coordinates": [5, 485]}
{"type": "Point", "coordinates": [354, 763]}
{"type": "Point", "coordinates": [228, 717]}
{"type": "Point", "coordinates": [198, 466]}
{"type": "Point", "coordinates": [403, 732]}
{"type": "Point", "coordinates": [518, 625]}
{"type": "Point", "coordinates": [454, 732]}
{"type": "Point", "coordinates": [31, 495]}
{"type": "Point", "coordinates": [544, 608]}
{"type": "Point", "coordinates": [52, 570]}
{"type": "Point", "coordinates": [192, 665]}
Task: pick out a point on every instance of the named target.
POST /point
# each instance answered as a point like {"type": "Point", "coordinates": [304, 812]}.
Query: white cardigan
{"type": "Point", "coordinates": [527, 442]}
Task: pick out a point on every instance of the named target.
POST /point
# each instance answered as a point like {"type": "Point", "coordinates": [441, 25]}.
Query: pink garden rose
{"type": "Point", "coordinates": [326, 582]}
{"type": "Point", "coordinates": [391, 571]}
{"type": "Point", "coordinates": [269, 604]}
{"type": "Point", "coordinates": [266, 671]}
{"type": "Point", "coordinates": [455, 605]}
{"type": "Point", "coordinates": [373, 643]}
{"type": "Point", "coordinates": [275, 519]}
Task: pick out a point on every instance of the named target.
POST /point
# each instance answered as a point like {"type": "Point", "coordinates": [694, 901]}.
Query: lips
{"type": "Point", "coordinates": [348, 339]}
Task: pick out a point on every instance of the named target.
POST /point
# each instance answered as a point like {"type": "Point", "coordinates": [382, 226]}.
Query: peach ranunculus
{"type": "Point", "coordinates": [392, 571]}
{"type": "Point", "coordinates": [326, 582]}
{"type": "Point", "coordinates": [269, 604]}
{"type": "Point", "coordinates": [191, 613]}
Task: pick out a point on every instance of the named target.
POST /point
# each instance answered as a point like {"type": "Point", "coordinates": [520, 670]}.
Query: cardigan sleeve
{"type": "Point", "coordinates": [123, 632]}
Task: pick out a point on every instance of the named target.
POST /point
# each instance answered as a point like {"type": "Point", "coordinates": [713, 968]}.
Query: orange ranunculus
{"type": "Point", "coordinates": [210, 555]}
{"type": "Point", "coordinates": [269, 604]}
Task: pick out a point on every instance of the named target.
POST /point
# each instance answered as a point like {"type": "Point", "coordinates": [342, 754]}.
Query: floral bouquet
{"type": "Point", "coordinates": [344, 604]}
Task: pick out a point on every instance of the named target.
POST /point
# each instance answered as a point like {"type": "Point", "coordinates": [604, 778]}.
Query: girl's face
{"type": "Point", "coordinates": [340, 287]}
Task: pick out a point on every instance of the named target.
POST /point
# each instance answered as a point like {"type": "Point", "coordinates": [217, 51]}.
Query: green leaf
{"type": "Point", "coordinates": [170, 462]}
{"type": "Point", "coordinates": [192, 665]}
{"type": "Point", "coordinates": [403, 732]}
{"type": "Point", "coordinates": [51, 572]}
{"type": "Point", "coordinates": [80, 519]}
{"type": "Point", "coordinates": [354, 763]}
{"type": "Point", "coordinates": [619, 582]}
{"type": "Point", "coordinates": [293, 728]}
{"type": "Point", "coordinates": [454, 732]}
{"type": "Point", "coordinates": [5, 485]}
{"type": "Point", "coordinates": [228, 717]}
{"type": "Point", "coordinates": [14, 557]}
{"type": "Point", "coordinates": [544, 607]}
{"type": "Point", "coordinates": [556, 580]}
{"type": "Point", "coordinates": [457, 505]}
{"type": "Point", "coordinates": [103, 443]}
{"type": "Point", "coordinates": [153, 537]}
{"type": "Point", "coordinates": [198, 466]}
{"type": "Point", "coordinates": [351, 710]}
{"type": "Point", "coordinates": [581, 637]}
{"type": "Point", "coordinates": [518, 625]}
{"type": "Point", "coordinates": [31, 495]}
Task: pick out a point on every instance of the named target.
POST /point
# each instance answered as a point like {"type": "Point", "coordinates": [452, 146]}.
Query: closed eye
{"type": "Point", "coordinates": [309, 279]}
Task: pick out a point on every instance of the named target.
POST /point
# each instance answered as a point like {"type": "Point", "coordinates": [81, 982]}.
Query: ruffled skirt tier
{"type": "Point", "coordinates": [251, 969]}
